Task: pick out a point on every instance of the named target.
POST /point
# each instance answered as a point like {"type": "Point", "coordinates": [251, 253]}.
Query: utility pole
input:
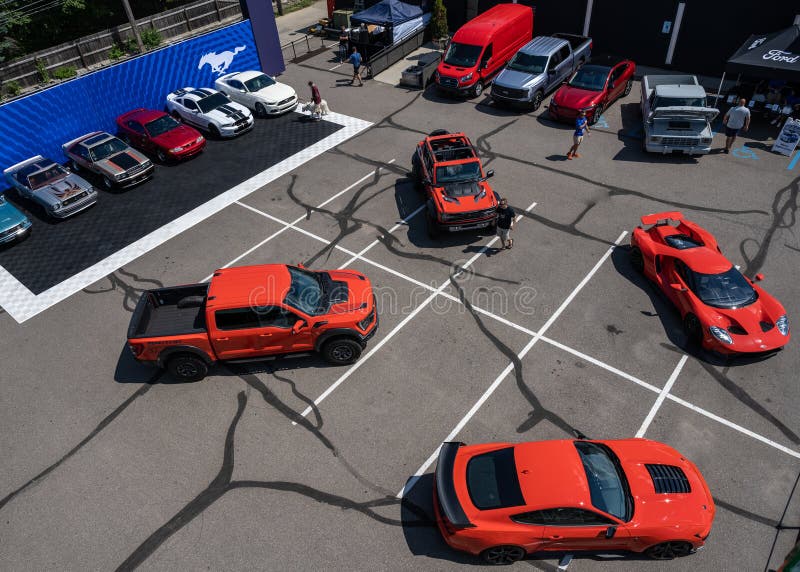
{"type": "Point", "coordinates": [132, 21]}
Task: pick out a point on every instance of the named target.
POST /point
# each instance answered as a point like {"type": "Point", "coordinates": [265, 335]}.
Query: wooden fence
{"type": "Point", "coordinates": [92, 52]}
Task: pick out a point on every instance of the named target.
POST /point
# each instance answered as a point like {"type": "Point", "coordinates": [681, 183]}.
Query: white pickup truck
{"type": "Point", "coordinates": [676, 116]}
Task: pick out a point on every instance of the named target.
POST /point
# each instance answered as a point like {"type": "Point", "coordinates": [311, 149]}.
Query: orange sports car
{"type": "Point", "coordinates": [503, 501]}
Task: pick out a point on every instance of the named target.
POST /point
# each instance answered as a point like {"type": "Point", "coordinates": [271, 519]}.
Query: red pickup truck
{"type": "Point", "coordinates": [447, 166]}
{"type": "Point", "coordinates": [252, 313]}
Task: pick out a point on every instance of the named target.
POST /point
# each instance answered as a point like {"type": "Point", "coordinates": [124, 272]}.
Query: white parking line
{"type": "Point", "coordinates": [374, 173]}
{"type": "Point", "coordinates": [405, 321]}
{"type": "Point", "coordinates": [496, 383]}
{"type": "Point", "coordinates": [376, 241]}
{"type": "Point", "coordinates": [542, 338]}
{"type": "Point", "coordinates": [661, 396]}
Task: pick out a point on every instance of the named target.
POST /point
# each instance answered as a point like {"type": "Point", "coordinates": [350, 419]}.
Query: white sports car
{"type": "Point", "coordinates": [258, 91]}
{"type": "Point", "coordinates": [209, 110]}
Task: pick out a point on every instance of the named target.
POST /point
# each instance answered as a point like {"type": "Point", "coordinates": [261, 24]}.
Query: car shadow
{"type": "Point", "coordinates": [432, 94]}
{"type": "Point", "coordinates": [671, 319]}
{"type": "Point", "coordinates": [488, 106]}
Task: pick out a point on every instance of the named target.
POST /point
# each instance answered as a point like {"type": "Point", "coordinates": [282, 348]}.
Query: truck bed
{"type": "Point", "coordinates": [574, 40]}
{"type": "Point", "coordinates": [157, 313]}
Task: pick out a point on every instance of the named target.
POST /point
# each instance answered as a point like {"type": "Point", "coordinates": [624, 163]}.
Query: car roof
{"type": "Point", "coordinates": [477, 30]}
{"type": "Point", "coordinates": [543, 46]}
{"type": "Point", "coordinates": [701, 258]}
{"type": "Point", "coordinates": [551, 474]}
{"type": "Point", "coordinates": [36, 166]}
{"type": "Point", "coordinates": [194, 93]}
{"type": "Point", "coordinates": [142, 115]}
{"type": "Point", "coordinates": [96, 138]}
{"type": "Point", "coordinates": [248, 285]}
{"type": "Point", "coordinates": [245, 75]}
{"type": "Point", "coordinates": [680, 90]}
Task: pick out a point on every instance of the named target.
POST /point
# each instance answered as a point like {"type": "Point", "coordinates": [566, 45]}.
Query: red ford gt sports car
{"type": "Point", "coordinates": [722, 309]}
{"type": "Point", "coordinates": [593, 88]}
{"type": "Point", "coordinates": [158, 133]}
{"type": "Point", "coordinates": [503, 500]}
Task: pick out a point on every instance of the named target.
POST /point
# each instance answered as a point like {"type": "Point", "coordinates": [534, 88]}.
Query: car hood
{"type": "Point", "coordinates": [275, 93]}
{"type": "Point", "coordinates": [466, 196]}
{"type": "Point", "coordinates": [351, 292]}
{"type": "Point", "coordinates": [452, 71]}
{"type": "Point", "coordinates": [229, 113]}
{"type": "Point", "coordinates": [691, 512]}
{"type": "Point", "coordinates": [576, 98]}
{"type": "Point", "coordinates": [178, 137]}
{"type": "Point", "coordinates": [10, 216]}
{"type": "Point", "coordinates": [517, 79]}
{"type": "Point", "coordinates": [63, 189]}
{"type": "Point", "coordinates": [764, 310]}
{"type": "Point", "coordinates": [120, 162]}
{"type": "Point", "coordinates": [709, 113]}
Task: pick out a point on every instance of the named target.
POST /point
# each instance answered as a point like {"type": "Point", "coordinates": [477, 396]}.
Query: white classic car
{"type": "Point", "coordinates": [210, 111]}
{"type": "Point", "coordinates": [58, 192]}
{"type": "Point", "coordinates": [258, 91]}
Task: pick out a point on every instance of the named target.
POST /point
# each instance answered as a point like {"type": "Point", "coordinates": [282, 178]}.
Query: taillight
{"type": "Point", "coordinates": [591, 45]}
{"type": "Point", "coordinates": [136, 349]}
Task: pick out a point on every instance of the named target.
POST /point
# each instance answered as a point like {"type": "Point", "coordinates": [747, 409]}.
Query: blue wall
{"type": "Point", "coordinates": [39, 123]}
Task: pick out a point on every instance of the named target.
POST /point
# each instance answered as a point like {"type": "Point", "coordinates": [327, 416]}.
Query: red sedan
{"type": "Point", "coordinates": [158, 133]}
{"type": "Point", "coordinates": [593, 88]}
{"type": "Point", "coordinates": [722, 309]}
{"type": "Point", "coordinates": [503, 500]}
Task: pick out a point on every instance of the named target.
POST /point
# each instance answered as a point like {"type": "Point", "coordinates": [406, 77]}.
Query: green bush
{"type": "Point", "coordinates": [44, 75]}
{"type": "Point", "coordinates": [65, 72]}
{"type": "Point", "coordinates": [131, 46]}
{"type": "Point", "coordinates": [13, 88]}
{"type": "Point", "coordinates": [116, 52]}
{"type": "Point", "coordinates": [151, 38]}
{"type": "Point", "coordinates": [439, 20]}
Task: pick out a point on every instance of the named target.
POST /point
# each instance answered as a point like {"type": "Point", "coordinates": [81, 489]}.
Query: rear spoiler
{"type": "Point", "coordinates": [656, 218]}
{"type": "Point", "coordinates": [445, 486]}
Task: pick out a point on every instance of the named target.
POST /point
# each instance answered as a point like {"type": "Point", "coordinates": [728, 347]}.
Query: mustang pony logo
{"type": "Point", "coordinates": [219, 62]}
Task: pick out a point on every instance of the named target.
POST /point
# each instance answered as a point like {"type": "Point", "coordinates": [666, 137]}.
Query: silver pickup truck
{"type": "Point", "coordinates": [539, 67]}
{"type": "Point", "coordinates": [676, 116]}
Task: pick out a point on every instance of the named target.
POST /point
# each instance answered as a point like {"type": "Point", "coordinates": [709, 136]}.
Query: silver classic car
{"type": "Point", "coordinates": [53, 188]}
{"type": "Point", "coordinates": [118, 164]}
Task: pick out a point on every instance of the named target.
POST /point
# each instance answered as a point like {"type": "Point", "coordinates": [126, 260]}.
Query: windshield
{"type": "Point", "coordinates": [161, 125]}
{"type": "Point", "coordinates": [492, 480]}
{"type": "Point", "coordinates": [259, 82]}
{"type": "Point", "coordinates": [462, 55]}
{"type": "Point", "coordinates": [727, 290]}
{"type": "Point", "coordinates": [679, 102]}
{"type": "Point", "coordinates": [211, 102]}
{"type": "Point", "coordinates": [51, 174]}
{"type": "Point", "coordinates": [106, 149]}
{"type": "Point", "coordinates": [305, 292]}
{"type": "Point", "coordinates": [460, 172]}
{"type": "Point", "coordinates": [589, 77]}
{"type": "Point", "coordinates": [608, 486]}
{"type": "Point", "coordinates": [528, 63]}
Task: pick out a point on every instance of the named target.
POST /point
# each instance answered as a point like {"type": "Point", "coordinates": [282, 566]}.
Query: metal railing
{"type": "Point", "coordinates": [304, 46]}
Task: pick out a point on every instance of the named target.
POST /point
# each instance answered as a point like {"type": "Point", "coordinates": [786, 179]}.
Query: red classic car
{"type": "Point", "coordinates": [593, 88]}
{"type": "Point", "coordinates": [158, 133]}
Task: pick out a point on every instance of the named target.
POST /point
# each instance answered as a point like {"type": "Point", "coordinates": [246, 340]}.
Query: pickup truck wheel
{"type": "Point", "coordinates": [341, 351]}
{"type": "Point", "coordinates": [628, 87]}
{"type": "Point", "coordinates": [537, 100]}
{"type": "Point", "coordinates": [187, 368]}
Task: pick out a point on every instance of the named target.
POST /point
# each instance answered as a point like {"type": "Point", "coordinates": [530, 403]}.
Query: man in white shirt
{"type": "Point", "coordinates": [736, 119]}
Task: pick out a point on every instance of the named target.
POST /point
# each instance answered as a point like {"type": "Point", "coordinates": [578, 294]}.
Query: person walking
{"type": "Point", "coordinates": [581, 128]}
{"type": "Point", "coordinates": [316, 98]}
{"type": "Point", "coordinates": [736, 119]}
{"type": "Point", "coordinates": [355, 59]}
{"type": "Point", "coordinates": [505, 222]}
{"type": "Point", "coordinates": [344, 39]}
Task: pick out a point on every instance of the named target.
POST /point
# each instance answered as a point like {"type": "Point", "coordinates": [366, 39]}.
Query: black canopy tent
{"type": "Point", "coordinates": [775, 56]}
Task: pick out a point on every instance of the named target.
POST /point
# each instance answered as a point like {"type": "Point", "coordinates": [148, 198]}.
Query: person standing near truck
{"type": "Point", "coordinates": [736, 119]}
{"type": "Point", "coordinates": [505, 222]}
{"type": "Point", "coordinates": [355, 59]}
{"type": "Point", "coordinates": [581, 128]}
{"type": "Point", "coordinates": [344, 39]}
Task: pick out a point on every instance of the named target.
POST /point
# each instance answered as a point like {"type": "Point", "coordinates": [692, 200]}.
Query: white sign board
{"type": "Point", "coordinates": [787, 140]}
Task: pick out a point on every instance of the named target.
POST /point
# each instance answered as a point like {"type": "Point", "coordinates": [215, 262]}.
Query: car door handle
{"type": "Point", "coordinates": [264, 335]}
{"type": "Point", "coordinates": [221, 339]}
{"type": "Point", "coordinates": [555, 537]}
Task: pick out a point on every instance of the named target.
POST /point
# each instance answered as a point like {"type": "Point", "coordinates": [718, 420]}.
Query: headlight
{"type": "Point", "coordinates": [783, 325]}
{"type": "Point", "coordinates": [445, 217]}
{"type": "Point", "coordinates": [57, 207]}
{"type": "Point", "coordinates": [721, 335]}
{"type": "Point", "coordinates": [199, 139]}
{"type": "Point", "coordinates": [588, 109]}
{"type": "Point", "coordinates": [146, 164]}
{"type": "Point", "coordinates": [119, 176]}
{"type": "Point", "coordinates": [176, 149]}
{"type": "Point", "coordinates": [466, 77]}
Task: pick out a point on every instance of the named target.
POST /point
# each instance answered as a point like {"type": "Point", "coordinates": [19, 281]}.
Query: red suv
{"type": "Point", "coordinates": [158, 133]}
{"type": "Point", "coordinates": [447, 166]}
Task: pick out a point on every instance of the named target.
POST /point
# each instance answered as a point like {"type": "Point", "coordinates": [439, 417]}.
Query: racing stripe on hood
{"type": "Point", "coordinates": [124, 160]}
{"type": "Point", "coordinates": [231, 112]}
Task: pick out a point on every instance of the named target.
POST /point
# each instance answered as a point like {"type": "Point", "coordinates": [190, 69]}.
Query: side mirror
{"type": "Point", "coordinates": [611, 531]}
{"type": "Point", "coordinates": [758, 277]}
{"type": "Point", "coordinates": [677, 287]}
{"type": "Point", "coordinates": [299, 325]}
{"type": "Point", "coordinates": [612, 85]}
{"type": "Point", "coordinates": [490, 173]}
